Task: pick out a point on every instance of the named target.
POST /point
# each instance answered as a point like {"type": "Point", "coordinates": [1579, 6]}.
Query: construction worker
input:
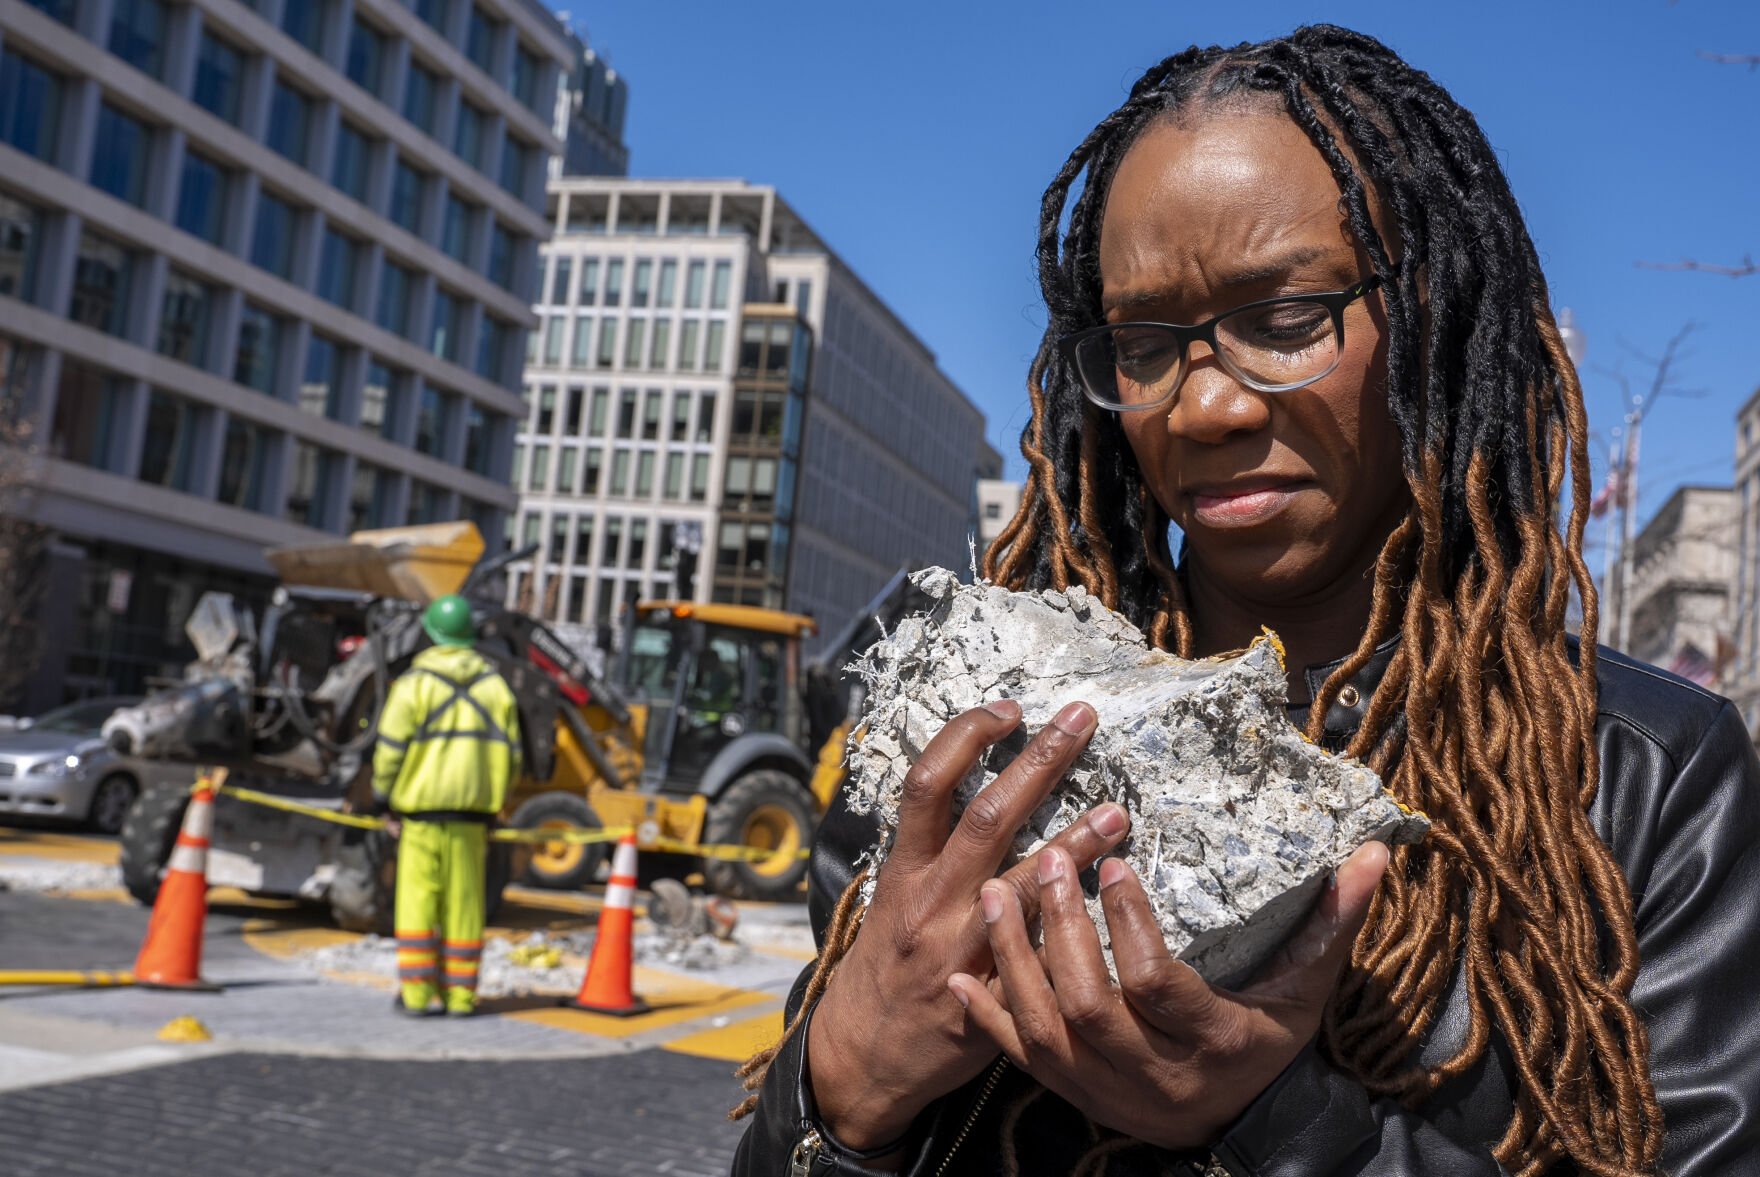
{"type": "Point", "coordinates": [448, 751]}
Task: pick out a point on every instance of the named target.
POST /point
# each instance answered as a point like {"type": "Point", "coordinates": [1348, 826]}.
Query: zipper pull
{"type": "Point", "coordinates": [800, 1163]}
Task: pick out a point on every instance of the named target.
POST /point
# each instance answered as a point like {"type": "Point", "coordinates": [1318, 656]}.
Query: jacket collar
{"type": "Point", "coordinates": [1352, 702]}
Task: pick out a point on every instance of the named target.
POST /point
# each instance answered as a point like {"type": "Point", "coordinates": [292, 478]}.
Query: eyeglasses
{"type": "Point", "coordinates": [1274, 345]}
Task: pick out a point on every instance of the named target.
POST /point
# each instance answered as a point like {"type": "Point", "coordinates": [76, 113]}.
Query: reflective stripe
{"type": "Point", "coordinates": [391, 743]}
{"type": "Point", "coordinates": [619, 895]}
{"type": "Point", "coordinates": [460, 694]}
{"type": "Point", "coordinates": [194, 843]}
{"type": "Point", "coordinates": [198, 819]}
{"type": "Point", "coordinates": [193, 859]}
{"type": "Point", "coordinates": [416, 956]}
{"type": "Point", "coordinates": [416, 974]}
{"type": "Point", "coordinates": [426, 935]}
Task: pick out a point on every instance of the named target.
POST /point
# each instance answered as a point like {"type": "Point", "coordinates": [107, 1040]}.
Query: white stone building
{"type": "Point", "coordinates": [1683, 566]}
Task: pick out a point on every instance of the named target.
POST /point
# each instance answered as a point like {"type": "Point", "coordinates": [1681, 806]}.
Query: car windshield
{"type": "Point", "coordinates": [653, 662]}
{"type": "Point", "coordinates": [78, 718]}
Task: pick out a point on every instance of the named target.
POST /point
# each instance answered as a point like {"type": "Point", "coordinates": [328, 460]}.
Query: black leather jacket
{"type": "Point", "coordinates": [1679, 804]}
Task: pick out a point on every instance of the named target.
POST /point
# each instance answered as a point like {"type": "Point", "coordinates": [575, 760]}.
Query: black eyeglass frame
{"type": "Point", "coordinates": [1335, 301]}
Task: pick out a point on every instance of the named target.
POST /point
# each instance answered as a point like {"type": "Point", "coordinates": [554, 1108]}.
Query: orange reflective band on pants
{"type": "Point", "coordinates": [418, 958]}
{"type": "Point", "coordinates": [462, 961]}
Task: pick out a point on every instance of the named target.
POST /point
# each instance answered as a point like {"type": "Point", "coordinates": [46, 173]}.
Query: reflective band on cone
{"type": "Point", "coordinates": [608, 986]}
{"type": "Point", "coordinates": [171, 954]}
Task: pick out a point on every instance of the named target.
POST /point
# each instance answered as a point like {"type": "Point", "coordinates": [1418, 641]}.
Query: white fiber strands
{"type": "Point", "coordinates": [1236, 820]}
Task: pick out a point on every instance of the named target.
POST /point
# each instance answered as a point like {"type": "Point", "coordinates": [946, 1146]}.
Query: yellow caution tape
{"type": "Point", "coordinates": [574, 837]}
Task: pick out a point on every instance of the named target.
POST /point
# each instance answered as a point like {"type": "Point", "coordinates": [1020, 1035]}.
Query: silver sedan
{"type": "Point", "coordinates": [58, 766]}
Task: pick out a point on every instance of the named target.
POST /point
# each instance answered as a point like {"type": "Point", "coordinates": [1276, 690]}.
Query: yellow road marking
{"type": "Point", "coordinates": [62, 847]}
{"type": "Point", "coordinates": [675, 999]}
{"type": "Point", "coordinates": [735, 1042]}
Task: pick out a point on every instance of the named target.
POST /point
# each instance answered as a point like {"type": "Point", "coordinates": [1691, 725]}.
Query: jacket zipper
{"type": "Point", "coordinates": [977, 1109]}
{"type": "Point", "coordinates": [806, 1151]}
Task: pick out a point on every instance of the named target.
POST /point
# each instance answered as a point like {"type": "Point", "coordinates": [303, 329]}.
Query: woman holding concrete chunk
{"type": "Point", "coordinates": [1364, 436]}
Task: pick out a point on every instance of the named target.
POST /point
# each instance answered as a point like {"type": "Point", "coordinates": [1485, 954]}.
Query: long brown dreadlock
{"type": "Point", "coordinates": [1483, 718]}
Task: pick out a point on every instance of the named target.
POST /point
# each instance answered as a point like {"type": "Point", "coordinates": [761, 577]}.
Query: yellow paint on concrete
{"type": "Point", "coordinates": [185, 1029]}
{"type": "Point", "coordinates": [282, 941]}
{"type": "Point", "coordinates": [735, 1042]}
{"type": "Point", "coordinates": [786, 953]}
{"type": "Point", "coordinates": [61, 847]}
{"type": "Point", "coordinates": [96, 895]}
{"type": "Point", "coordinates": [674, 999]}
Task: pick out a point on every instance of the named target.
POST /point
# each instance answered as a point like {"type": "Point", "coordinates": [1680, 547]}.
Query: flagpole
{"type": "Point", "coordinates": [1628, 519]}
{"type": "Point", "coordinates": [1610, 601]}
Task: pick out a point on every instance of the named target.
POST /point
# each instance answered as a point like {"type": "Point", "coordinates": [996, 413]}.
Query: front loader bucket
{"type": "Point", "coordinates": [414, 563]}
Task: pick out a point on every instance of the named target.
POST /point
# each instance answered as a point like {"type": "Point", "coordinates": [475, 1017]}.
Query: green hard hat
{"type": "Point", "coordinates": [448, 621]}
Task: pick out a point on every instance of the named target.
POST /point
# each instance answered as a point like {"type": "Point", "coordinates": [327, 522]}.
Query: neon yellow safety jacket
{"type": "Point", "coordinates": [448, 737]}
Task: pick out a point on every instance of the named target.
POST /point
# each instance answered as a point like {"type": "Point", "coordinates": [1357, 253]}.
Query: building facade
{"type": "Point", "coordinates": [711, 387]}
{"type": "Point", "coordinates": [590, 108]}
{"type": "Point", "coordinates": [998, 500]}
{"type": "Point", "coordinates": [1683, 568]}
{"type": "Point", "coordinates": [265, 273]}
{"type": "Point", "coordinates": [1742, 676]}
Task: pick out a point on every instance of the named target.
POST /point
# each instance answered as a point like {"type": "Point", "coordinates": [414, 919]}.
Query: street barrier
{"type": "Point", "coordinates": [608, 987]}
{"type": "Point", "coordinates": [171, 954]}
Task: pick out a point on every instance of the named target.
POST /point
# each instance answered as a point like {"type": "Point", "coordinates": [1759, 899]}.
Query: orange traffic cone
{"type": "Point", "coordinates": [171, 955]}
{"type": "Point", "coordinates": [607, 987]}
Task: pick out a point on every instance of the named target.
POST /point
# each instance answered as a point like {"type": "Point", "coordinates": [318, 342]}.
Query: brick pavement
{"type": "Point", "coordinates": [649, 1112]}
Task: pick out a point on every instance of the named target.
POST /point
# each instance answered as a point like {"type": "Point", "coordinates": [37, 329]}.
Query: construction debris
{"type": "Point", "coordinates": [1237, 820]}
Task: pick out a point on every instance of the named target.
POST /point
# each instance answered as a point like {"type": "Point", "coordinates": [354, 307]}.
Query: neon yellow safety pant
{"type": "Point", "coordinates": [439, 912]}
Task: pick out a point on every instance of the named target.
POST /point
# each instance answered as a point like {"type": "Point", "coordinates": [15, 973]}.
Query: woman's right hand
{"type": "Point", "coordinates": [888, 1038]}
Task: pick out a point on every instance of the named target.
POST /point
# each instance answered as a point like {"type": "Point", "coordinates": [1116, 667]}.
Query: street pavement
{"type": "Point", "coordinates": [308, 1071]}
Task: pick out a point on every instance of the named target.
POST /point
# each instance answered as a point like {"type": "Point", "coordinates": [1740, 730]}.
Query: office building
{"type": "Point", "coordinates": [265, 275]}
{"type": "Point", "coordinates": [1683, 566]}
{"type": "Point", "coordinates": [708, 373]}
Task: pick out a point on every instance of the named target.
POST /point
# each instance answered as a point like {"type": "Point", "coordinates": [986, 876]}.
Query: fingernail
{"type": "Point", "coordinates": [1050, 866]}
{"type": "Point", "coordinates": [1004, 708]}
{"type": "Point", "coordinates": [990, 900]}
{"type": "Point", "coordinates": [958, 991]}
{"type": "Point", "coordinates": [1112, 871]}
{"type": "Point", "coordinates": [1075, 719]}
{"type": "Point", "coordinates": [1109, 821]}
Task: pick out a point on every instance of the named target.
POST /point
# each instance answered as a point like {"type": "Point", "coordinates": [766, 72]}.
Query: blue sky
{"type": "Point", "coordinates": [917, 138]}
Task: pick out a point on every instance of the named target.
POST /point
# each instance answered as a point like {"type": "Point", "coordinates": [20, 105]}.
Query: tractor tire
{"type": "Point", "coordinates": [560, 866]}
{"type": "Point", "coordinates": [766, 810]}
{"type": "Point", "coordinates": [363, 893]}
{"type": "Point", "coordinates": [148, 834]}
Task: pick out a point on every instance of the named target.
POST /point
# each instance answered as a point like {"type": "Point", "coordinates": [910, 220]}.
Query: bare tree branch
{"type": "Point", "coordinates": [1748, 266]}
{"type": "Point", "coordinates": [1751, 60]}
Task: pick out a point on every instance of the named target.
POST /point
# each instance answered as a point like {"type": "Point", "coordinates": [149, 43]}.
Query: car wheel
{"type": "Point", "coordinates": [111, 801]}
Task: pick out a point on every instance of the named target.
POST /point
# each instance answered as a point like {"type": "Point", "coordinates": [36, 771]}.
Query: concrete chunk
{"type": "Point", "coordinates": [1236, 820]}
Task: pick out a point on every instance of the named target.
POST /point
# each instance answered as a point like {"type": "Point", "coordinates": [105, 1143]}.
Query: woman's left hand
{"type": "Point", "coordinates": [1162, 1055]}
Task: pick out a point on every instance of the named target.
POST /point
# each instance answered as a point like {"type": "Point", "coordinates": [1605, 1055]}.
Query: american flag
{"type": "Point", "coordinates": [1693, 665]}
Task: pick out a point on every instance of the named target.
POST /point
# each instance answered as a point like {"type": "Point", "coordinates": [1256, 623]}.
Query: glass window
{"type": "Point", "coordinates": [102, 276]}
{"type": "Point", "coordinates": [455, 233]}
{"type": "Point", "coordinates": [681, 417]}
{"type": "Point", "coordinates": [559, 529]}
{"type": "Point", "coordinates": [86, 406]}
{"type": "Point", "coordinates": [304, 22]}
{"type": "Point", "coordinates": [693, 285]}
{"type": "Point", "coordinates": [290, 122]}
{"type": "Point", "coordinates": [634, 337]}
{"type": "Point", "coordinates": [644, 276]}
{"type": "Point", "coordinates": [559, 275]}
{"type": "Point", "coordinates": [259, 349]}
{"type": "Point", "coordinates": [614, 282]}
{"type": "Point", "coordinates": [501, 254]}
{"type": "Point", "coordinates": [652, 408]}
{"type": "Point", "coordinates": [21, 231]}
{"type": "Point", "coordinates": [619, 473]}
{"type": "Point", "coordinates": [699, 478]}
{"type": "Point", "coordinates": [494, 336]}
{"type": "Point", "coordinates": [751, 346]}
{"type": "Point", "coordinates": [219, 78]}
{"type": "Point", "coordinates": [657, 354]}
{"type": "Point", "coordinates": [427, 503]}
{"type": "Point", "coordinates": [644, 475]}
{"type": "Point", "coordinates": [431, 414]}
{"type": "Point", "coordinates": [376, 401]}
{"type": "Point", "coordinates": [308, 485]}
{"type": "Point", "coordinates": [409, 187]}
{"type": "Point", "coordinates": [553, 328]}
{"type": "Point", "coordinates": [571, 410]}
{"type": "Point", "coordinates": [527, 70]}
{"type": "Point", "coordinates": [674, 489]}
{"type": "Point", "coordinates": [607, 342]}
{"type": "Point", "coordinates": [687, 345]}
{"type": "Point", "coordinates": [320, 393]}
{"type": "Point", "coordinates": [336, 268]}
{"type": "Point", "coordinates": [419, 91]}
{"type": "Point", "coordinates": [168, 452]}
{"type": "Point", "coordinates": [244, 463]}
{"type": "Point", "coordinates": [706, 417]}
{"type": "Point", "coordinates": [119, 155]}
{"type": "Point", "coordinates": [366, 57]}
{"type": "Point", "coordinates": [601, 406]}
{"type": "Point", "coordinates": [803, 295]}
{"type": "Point", "coordinates": [479, 40]}
{"type": "Point", "coordinates": [514, 154]}
{"type": "Point", "coordinates": [137, 34]}
{"type": "Point", "coordinates": [364, 499]}
{"type": "Point", "coordinates": [184, 313]}
{"type": "Point", "coordinates": [539, 477]}
{"type": "Point", "coordinates": [477, 430]}
{"type": "Point", "coordinates": [61, 10]}
{"type": "Point", "coordinates": [589, 281]}
{"type": "Point", "coordinates": [431, 11]}
{"type": "Point", "coordinates": [626, 413]}
{"type": "Point", "coordinates": [583, 341]}
{"type": "Point", "coordinates": [396, 289]}
{"type": "Point", "coordinates": [352, 171]}
{"type": "Point", "coordinates": [202, 197]}
{"type": "Point", "coordinates": [567, 459]}
{"type": "Point", "coordinates": [546, 419]}
{"type": "Point", "coordinates": [448, 325]}
{"type": "Point", "coordinates": [468, 134]}
{"type": "Point", "coordinates": [583, 539]}
{"type": "Point", "coordinates": [595, 462]}
{"type": "Point", "coordinates": [30, 106]}
{"type": "Point", "coordinates": [714, 345]}
{"type": "Point", "coordinates": [638, 540]}
{"type": "Point", "coordinates": [272, 242]}
{"type": "Point", "coordinates": [719, 291]}
{"type": "Point", "coordinates": [668, 278]}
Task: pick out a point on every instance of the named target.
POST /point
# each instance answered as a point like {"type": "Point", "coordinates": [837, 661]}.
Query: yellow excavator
{"type": "Point", "coordinates": [706, 730]}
